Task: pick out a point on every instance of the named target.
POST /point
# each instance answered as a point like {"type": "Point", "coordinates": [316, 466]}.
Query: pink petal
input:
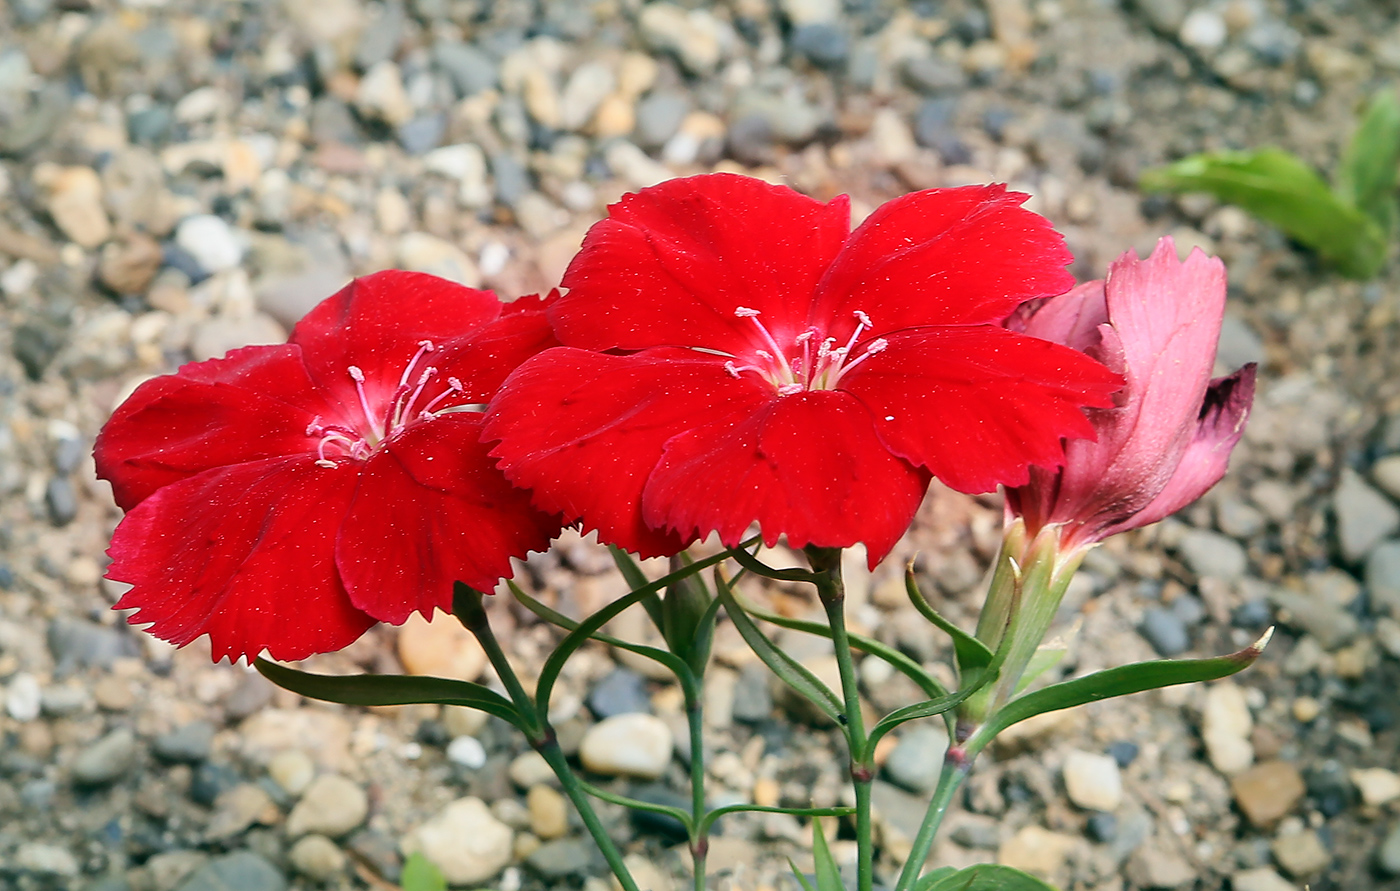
{"type": "Point", "coordinates": [244, 554]}
{"type": "Point", "coordinates": [255, 403]}
{"type": "Point", "coordinates": [1205, 459]}
{"type": "Point", "coordinates": [376, 324]}
{"type": "Point", "coordinates": [960, 256]}
{"type": "Point", "coordinates": [1072, 319]}
{"type": "Point", "coordinates": [584, 430]}
{"type": "Point", "coordinates": [977, 405]}
{"type": "Point", "coordinates": [808, 466]}
{"type": "Point", "coordinates": [1165, 320]}
{"type": "Point", "coordinates": [430, 509]}
{"type": "Point", "coordinates": [672, 263]}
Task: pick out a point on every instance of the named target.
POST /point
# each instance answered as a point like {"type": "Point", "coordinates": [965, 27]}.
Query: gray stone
{"type": "Point", "coordinates": [659, 116]}
{"type": "Point", "coordinates": [557, 860]}
{"type": "Point", "coordinates": [753, 700]}
{"type": "Point", "coordinates": [1165, 631]}
{"type": "Point", "coordinates": [1238, 345]}
{"type": "Point", "coordinates": [381, 37]}
{"type": "Point", "coordinates": [1239, 519]}
{"type": "Point", "coordinates": [620, 692]}
{"type": "Point", "coordinates": [189, 743]}
{"type": "Point", "coordinates": [1364, 517]}
{"type": "Point", "coordinates": [1159, 867]}
{"type": "Point", "coordinates": [512, 179]}
{"type": "Point", "coordinates": [1386, 473]}
{"type": "Point", "coordinates": [1383, 577]}
{"type": "Point", "coordinates": [61, 500]}
{"type": "Point", "coordinates": [917, 760]}
{"type": "Point", "coordinates": [1189, 609]}
{"type": "Point", "coordinates": [1329, 622]}
{"type": "Point", "coordinates": [106, 760]}
{"type": "Point", "coordinates": [824, 44]}
{"type": "Point", "coordinates": [1388, 854]}
{"type": "Point", "coordinates": [239, 871]}
{"type": "Point", "coordinates": [932, 75]}
{"type": "Point", "coordinates": [1213, 555]}
{"type": "Point", "coordinates": [469, 69]}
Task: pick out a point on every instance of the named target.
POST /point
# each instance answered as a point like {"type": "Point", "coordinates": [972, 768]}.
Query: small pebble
{"type": "Point", "coordinates": [210, 242]}
{"type": "Point", "coordinates": [464, 841]}
{"type": "Point", "coordinates": [1165, 631]}
{"type": "Point", "coordinates": [317, 857]}
{"type": "Point", "coordinates": [635, 745]}
{"type": "Point", "coordinates": [468, 752]}
{"type": "Point", "coordinates": [106, 760]}
{"type": "Point", "coordinates": [23, 697]}
{"type": "Point", "coordinates": [332, 805]}
{"type": "Point", "coordinates": [1092, 781]}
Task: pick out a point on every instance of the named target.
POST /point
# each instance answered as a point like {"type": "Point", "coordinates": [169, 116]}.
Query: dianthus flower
{"type": "Point", "coordinates": [733, 353]}
{"type": "Point", "coordinates": [288, 497]}
{"type": "Point", "coordinates": [1169, 437]}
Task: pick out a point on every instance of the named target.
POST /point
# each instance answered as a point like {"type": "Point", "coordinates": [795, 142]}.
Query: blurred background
{"type": "Point", "coordinates": [178, 179]}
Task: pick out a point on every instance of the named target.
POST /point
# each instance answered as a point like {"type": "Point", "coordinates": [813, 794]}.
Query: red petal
{"type": "Point", "coordinates": [808, 466]}
{"type": "Point", "coordinates": [583, 431]}
{"type": "Point", "coordinates": [960, 256]}
{"type": "Point", "coordinates": [431, 508]}
{"type": "Point", "coordinates": [491, 353]}
{"type": "Point", "coordinates": [977, 405]}
{"type": "Point", "coordinates": [672, 263]}
{"type": "Point", "coordinates": [376, 324]}
{"type": "Point", "coordinates": [244, 554]}
{"type": "Point", "coordinates": [253, 404]}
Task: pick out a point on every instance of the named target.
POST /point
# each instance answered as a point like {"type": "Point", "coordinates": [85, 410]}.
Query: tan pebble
{"type": "Point", "coordinates": [114, 694]}
{"type": "Point", "coordinates": [525, 845]}
{"type": "Point", "coordinates": [766, 792]}
{"type": "Point", "coordinates": [616, 116]}
{"type": "Point", "coordinates": [549, 812]}
{"type": "Point", "coordinates": [73, 198]}
{"type": "Point", "coordinates": [129, 265]}
{"type": "Point", "coordinates": [1306, 709]}
{"type": "Point", "coordinates": [1037, 851]}
{"type": "Point", "coordinates": [462, 721]}
{"type": "Point", "coordinates": [441, 648]}
{"type": "Point", "coordinates": [648, 876]}
{"type": "Point", "coordinates": [1268, 792]}
{"type": "Point", "coordinates": [293, 770]}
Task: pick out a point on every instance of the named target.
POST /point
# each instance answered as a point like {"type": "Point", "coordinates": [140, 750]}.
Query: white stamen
{"type": "Point", "coordinates": [744, 312]}
{"type": "Point", "coordinates": [732, 369]}
{"type": "Point", "coordinates": [790, 389]}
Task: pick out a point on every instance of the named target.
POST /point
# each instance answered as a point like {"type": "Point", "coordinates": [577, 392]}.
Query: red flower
{"type": "Point", "coordinates": [287, 497]}
{"type": "Point", "coordinates": [734, 353]}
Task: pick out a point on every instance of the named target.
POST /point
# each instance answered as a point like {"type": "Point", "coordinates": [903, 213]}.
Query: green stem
{"type": "Point", "coordinates": [700, 840]}
{"type": "Point", "coordinates": [956, 766]}
{"type": "Point", "coordinates": [554, 757]}
{"type": "Point", "coordinates": [467, 606]}
{"type": "Point", "coordinates": [831, 589]}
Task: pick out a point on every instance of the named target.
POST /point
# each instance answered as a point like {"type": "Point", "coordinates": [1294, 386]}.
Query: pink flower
{"type": "Point", "coordinates": [1169, 438]}
{"type": "Point", "coordinates": [734, 353]}
{"type": "Point", "coordinates": [288, 497]}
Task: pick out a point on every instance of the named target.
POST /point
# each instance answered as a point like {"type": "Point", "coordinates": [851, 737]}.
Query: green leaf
{"type": "Point", "coordinates": [801, 879]}
{"type": "Point", "coordinates": [589, 627]}
{"type": "Point", "coordinates": [389, 689]}
{"type": "Point", "coordinates": [1113, 682]}
{"type": "Point", "coordinates": [828, 873]}
{"type": "Point", "coordinates": [902, 663]}
{"type": "Point", "coordinates": [637, 804]}
{"type": "Point", "coordinates": [970, 651]}
{"type": "Point", "coordinates": [1368, 172]}
{"type": "Point", "coordinates": [419, 874]}
{"type": "Point", "coordinates": [711, 816]}
{"type": "Point", "coordinates": [928, 709]}
{"type": "Point", "coordinates": [982, 877]}
{"type": "Point", "coordinates": [1276, 187]}
{"type": "Point", "coordinates": [929, 879]}
{"type": "Point", "coordinates": [554, 617]}
{"type": "Point", "coordinates": [634, 577]}
{"type": "Point", "coordinates": [788, 669]}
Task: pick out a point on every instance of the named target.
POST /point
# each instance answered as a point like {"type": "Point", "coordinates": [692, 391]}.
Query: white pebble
{"type": "Point", "coordinates": [1203, 29]}
{"type": "Point", "coordinates": [210, 241]}
{"type": "Point", "coordinates": [23, 698]}
{"type": "Point", "coordinates": [467, 751]}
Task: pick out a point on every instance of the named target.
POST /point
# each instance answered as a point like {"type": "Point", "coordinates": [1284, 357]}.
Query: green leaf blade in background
{"type": "Point", "coordinates": [982, 877]}
{"type": "Point", "coordinates": [1367, 177]}
{"type": "Point", "coordinates": [419, 874]}
{"type": "Point", "coordinates": [1281, 190]}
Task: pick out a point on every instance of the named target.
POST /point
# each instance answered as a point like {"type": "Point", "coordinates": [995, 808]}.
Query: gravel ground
{"type": "Point", "coordinates": [180, 178]}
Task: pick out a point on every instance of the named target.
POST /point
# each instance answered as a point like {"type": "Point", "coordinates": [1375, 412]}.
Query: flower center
{"type": "Point", "coordinates": [811, 362]}
{"type": "Point", "coordinates": [401, 410]}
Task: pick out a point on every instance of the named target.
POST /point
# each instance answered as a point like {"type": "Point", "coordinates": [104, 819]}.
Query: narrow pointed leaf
{"type": "Point", "coordinates": [1368, 173]}
{"type": "Point", "coordinates": [710, 817]}
{"type": "Point", "coordinates": [1281, 190]}
{"type": "Point", "coordinates": [971, 652]}
{"type": "Point", "coordinates": [982, 877]}
{"type": "Point", "coordinates": [902, 663]}
{"type": "Point", "coordinates": [637, 804]}
{"type": "Point", "coordinates": [828, 873]}
{"type": "Point", "coordinates": [590, 627]}
{"type": "Point", "coordinates": [1113, 682]}
{"type": "Point", "coordinates": [801, 879]}
{"type": "Point", "coordinates": [389, 689]}
{"type": "Point", "coordinates": [634, 577]}
{"type": "Point", "coordinates": [554, 617]}
{"type": "Point", "coordinates": [940, 706]}
{"type": "Point", "coordinates": [788, 669]}
{"type": "Point", "coordinates": [699, 655]}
